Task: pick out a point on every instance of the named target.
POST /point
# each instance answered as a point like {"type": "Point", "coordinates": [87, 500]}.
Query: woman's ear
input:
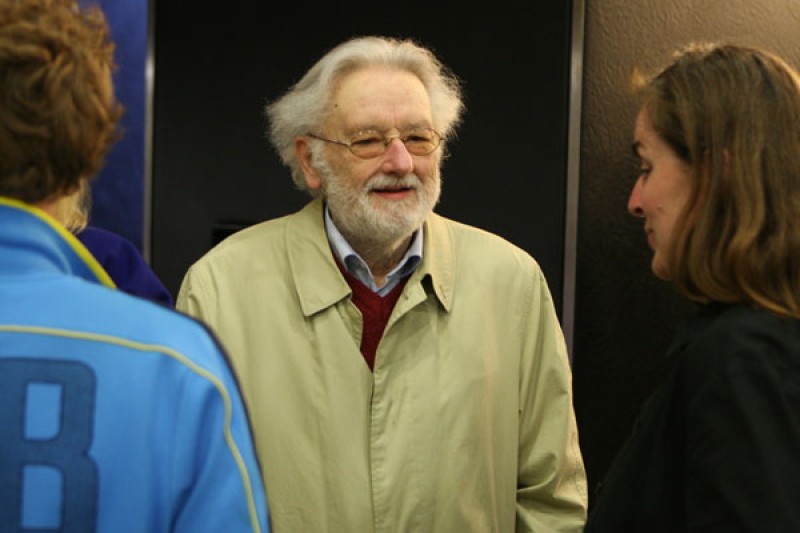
{"type": "Point", "coordinates": [302, 151]}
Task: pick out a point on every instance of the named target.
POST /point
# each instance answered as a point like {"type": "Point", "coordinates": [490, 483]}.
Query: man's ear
{"type": "Point", "coordinates": [302, 151]}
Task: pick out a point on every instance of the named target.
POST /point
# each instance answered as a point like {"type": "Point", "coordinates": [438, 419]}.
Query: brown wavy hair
{"type": "Point", "coordinates": [58, 114]}
{"type": "Point", "coordinates": [733, 114]}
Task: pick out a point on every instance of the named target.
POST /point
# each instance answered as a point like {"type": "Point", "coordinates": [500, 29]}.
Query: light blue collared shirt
{"type": "Point", "coordinates": [356, 266]}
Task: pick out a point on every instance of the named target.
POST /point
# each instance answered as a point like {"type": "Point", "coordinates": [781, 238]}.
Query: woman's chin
{"type": "Point", "coordinates": [660, 269]}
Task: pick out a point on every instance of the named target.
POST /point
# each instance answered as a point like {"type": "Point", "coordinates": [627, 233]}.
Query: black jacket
{"type": "Point", "coordinates": [716, 448]}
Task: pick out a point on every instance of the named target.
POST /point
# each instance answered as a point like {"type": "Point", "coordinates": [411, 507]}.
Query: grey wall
{"type": "Point", "coordinates": [624, 317]}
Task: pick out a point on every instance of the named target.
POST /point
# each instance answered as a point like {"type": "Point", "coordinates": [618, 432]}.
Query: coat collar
{"type": "Point", "coordinates": [690, 327]}
{"type": "Point", "coordinates": [317, 279]}
{"type": "Point", "coordinates": [37, 243]}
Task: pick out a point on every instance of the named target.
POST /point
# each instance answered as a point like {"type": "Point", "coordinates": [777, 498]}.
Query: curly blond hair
{"type": "Point", "coordinates": [58, 114]}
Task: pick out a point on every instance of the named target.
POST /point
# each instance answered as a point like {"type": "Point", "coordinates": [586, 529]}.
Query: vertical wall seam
{"type": "Point", "coordinates": [149, 80]}
{"type": "Point", "coordinates": [573, 172]}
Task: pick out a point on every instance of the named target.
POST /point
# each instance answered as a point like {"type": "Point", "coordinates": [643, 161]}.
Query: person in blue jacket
{"type": "Point", "coordinates": [118, 415]}
{"type": "Point", "coordinates": [117, 255]}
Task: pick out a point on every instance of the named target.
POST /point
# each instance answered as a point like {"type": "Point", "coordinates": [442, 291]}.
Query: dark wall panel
{"type": "Point", "coordinates": [625, 317]}
{"type": "Point", "coordinates": [216, 69]}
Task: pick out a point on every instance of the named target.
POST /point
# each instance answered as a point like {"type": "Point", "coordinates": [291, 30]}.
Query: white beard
{"type": "Point", "coordinates": [367, 217]}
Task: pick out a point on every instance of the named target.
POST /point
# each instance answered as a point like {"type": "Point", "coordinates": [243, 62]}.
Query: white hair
{"type": "Point", "coordinates": [304, 107]}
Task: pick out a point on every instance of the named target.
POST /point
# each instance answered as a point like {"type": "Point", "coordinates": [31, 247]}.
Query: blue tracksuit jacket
{"type": "Point", "coordinates": [116, 414]}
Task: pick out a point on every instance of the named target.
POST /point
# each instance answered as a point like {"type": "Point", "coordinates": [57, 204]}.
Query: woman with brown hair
{"type": "Point", "coordinates": [717, 446]}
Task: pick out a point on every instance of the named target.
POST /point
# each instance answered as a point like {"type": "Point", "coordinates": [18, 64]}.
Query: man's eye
{"type": "Point", "coordinates": [414, 138]}
{"type": "Point", "coordinates": [366, 140]}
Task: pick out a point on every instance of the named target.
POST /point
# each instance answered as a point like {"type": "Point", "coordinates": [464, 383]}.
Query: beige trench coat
{"type": "Point", "coordinates": [466, 424]}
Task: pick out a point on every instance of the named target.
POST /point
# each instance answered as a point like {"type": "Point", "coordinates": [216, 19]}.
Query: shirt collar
{"type": "Point", "coordinates": [320, 284]}
{"type": "Point", "coordinates": [356, 265]}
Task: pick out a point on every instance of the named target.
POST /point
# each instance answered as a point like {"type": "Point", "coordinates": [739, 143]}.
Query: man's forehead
{"type": "Point", "coordinates": [380, 99]}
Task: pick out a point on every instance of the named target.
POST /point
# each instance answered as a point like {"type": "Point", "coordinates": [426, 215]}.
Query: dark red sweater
{"type": "Point", "coordinates": [375, 309]}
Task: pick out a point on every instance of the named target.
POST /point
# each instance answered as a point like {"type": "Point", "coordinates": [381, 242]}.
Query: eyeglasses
{"type": "Point", "coordinates": [369, 144]}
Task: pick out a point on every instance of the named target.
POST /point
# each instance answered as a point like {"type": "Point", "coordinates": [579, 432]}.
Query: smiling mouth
{"type": "Point", "coordinates": [390, 190]}
{"type": "Point", "coordinates": [393, 187]}
{"type": "Point", "coordinates": [392, 193]}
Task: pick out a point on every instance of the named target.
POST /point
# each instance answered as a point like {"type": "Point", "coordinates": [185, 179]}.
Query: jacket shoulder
{"type": "Point", "coordinates": [738, 339]}
{"type": "Point", "coordinates": [147, 323]}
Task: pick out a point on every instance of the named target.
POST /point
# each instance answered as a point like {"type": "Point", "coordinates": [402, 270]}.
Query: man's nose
{"type": "Point", "coordinates": [397, 160]}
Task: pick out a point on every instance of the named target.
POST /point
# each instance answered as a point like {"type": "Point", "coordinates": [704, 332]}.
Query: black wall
{"type": "Point", "coordinates": [217, 65]}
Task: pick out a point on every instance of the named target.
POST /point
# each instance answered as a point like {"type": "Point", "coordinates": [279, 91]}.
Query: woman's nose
{"type": "Point", "coordinates": [634, 201]}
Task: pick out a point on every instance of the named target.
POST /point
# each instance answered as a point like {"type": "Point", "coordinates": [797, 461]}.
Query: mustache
{"type": "Point", "coordinates": [384, 181]}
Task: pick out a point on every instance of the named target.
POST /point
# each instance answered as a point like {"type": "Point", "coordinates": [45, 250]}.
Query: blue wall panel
{"type": "Point", "coordinates": [118, 193]}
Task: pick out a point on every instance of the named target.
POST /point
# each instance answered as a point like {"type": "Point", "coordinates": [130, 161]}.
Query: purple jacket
{"type": "Point", "coordinates": [126, 266]}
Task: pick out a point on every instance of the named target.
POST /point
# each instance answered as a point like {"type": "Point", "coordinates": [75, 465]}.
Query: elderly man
{"type": "Point", "coordinates": [116, 414]}
{"type": "Point", "coordinates": [404, 372]}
